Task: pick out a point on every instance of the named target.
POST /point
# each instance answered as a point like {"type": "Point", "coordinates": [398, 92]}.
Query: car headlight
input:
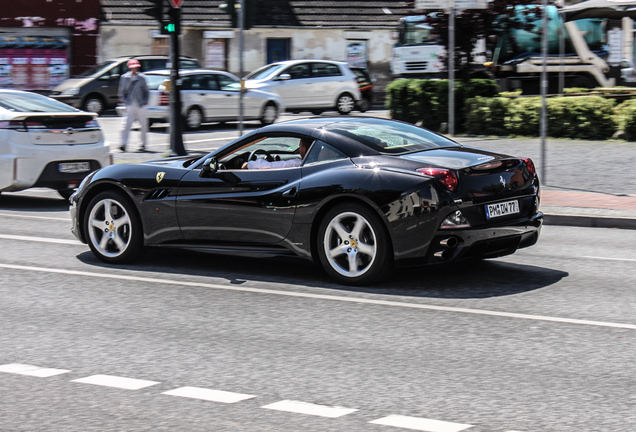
{"type": "Point", "coordinates": [73, 91]}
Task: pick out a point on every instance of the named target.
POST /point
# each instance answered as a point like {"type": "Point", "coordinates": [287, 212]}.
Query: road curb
{"type": "Point", "coordinates": [589, 221]}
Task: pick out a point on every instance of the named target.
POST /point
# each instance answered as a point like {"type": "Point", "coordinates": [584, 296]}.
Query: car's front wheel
{"type": "Point", "coordinates": [270, 114]}
{"type": "Point", "coordinates": [113, 228]}
{"type": "Point", "coordinates": [345, 104]}
{"type": "Point", "coordinates": [353, 246]}
{"type": "Point", "coordinates": [94, 103]}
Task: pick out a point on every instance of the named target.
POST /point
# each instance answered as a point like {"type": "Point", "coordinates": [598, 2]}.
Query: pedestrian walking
{"type": "Point", "coordinates": [133, 91]}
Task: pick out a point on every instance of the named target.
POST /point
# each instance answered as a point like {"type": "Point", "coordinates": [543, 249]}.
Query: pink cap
{"type": "Point", "coordinates": [133, 63]}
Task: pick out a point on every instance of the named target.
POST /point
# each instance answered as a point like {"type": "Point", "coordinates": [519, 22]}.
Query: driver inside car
{"type": "Point", "coordinates": [304, 145]}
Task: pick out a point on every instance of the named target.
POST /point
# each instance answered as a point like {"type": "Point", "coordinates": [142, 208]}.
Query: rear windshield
{"type": "Point", "coordinates": [154, 81]}
{"type": "Point", "coordinates": [32, 102]}
{"type": "Point", "coordinates": [390, 137]}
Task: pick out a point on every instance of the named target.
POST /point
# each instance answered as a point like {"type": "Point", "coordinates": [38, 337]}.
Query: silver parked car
{"type": "Point", "coordinates": [309, 85]}
{"type": "Point", "coordinates": [208, 96]}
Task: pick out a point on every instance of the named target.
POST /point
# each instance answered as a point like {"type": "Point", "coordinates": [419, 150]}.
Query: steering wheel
{"type": "Point", "coordinates": [255, 153]}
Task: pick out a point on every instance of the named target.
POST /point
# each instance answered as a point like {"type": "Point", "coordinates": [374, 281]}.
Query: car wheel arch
{"type": "Point", "coordinates": [335, 201]}
{"type": "Point", "coordinates": [96, 190]}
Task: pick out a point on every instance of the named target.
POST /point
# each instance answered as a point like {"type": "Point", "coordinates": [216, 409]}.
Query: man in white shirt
{"type": "Point", "coordinates": [289, 163]}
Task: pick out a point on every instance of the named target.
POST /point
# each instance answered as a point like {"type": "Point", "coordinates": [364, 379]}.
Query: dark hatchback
{"type": "Point", "coordinates": [368, 194]}
{"type": "Point", "coordinates": [366, 88]}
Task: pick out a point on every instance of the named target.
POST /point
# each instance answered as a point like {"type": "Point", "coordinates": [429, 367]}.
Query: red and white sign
{"type": "Point", "coordinates": [176, 3]}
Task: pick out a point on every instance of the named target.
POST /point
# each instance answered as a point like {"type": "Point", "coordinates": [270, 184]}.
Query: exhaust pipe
{"type": "Point", "coordinates": [449, 243]}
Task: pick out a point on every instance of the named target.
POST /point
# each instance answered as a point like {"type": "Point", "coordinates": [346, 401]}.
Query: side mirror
{"type": "Point", "coordinates": [210, 166]}
{"type": "Point", "coordinates": [284, 77]}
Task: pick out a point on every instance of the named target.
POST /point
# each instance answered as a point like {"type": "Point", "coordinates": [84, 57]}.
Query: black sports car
{"type": "Point", "coordinates": [370, 193]}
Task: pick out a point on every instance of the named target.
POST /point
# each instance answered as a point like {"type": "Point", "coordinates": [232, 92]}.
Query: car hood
{"type": "Point", "coordinates": [70, 83]}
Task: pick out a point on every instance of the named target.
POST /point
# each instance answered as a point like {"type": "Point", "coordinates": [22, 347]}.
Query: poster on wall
{"type": "Point", "coordinates": [33, 63]}
{"type": "Point", "coordinates": [215, 55]}
{"type": "Point", "coordinates": [357, 54]}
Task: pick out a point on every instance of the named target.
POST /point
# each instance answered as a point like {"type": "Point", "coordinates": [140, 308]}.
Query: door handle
{"type": "Point", "coordinates": [290, 193]}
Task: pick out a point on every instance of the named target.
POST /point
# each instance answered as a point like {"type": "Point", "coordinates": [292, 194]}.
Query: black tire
{"type": "Point", "coordinates": [269, 114]}
{"type": "Point", "coordinates": [316, 112]}
{"type": "Point", "coordinates": [193, 119]}
{"type": "Point", "coordinates": [581, 81]}
{"type": "Point", "coordinates": [353, 246]}
{"type": "Point", "coordinates": [364, 105]}
{"type": "Point", "coordinates": [94, 103]}
{"type": "Point", "coordinates": [345, 103]}
{"type": "Point", "coordinates": [113, 228]}
{"type": "Point", "coordinates": [65, 193]}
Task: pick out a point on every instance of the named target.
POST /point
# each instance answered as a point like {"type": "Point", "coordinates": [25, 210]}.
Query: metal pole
{"type": "Point", "coordinates": [544, 90]}
{"type": "Point", "coordinates": [241, 17]}
{"type": "Point", "coordinates": [451, 70]}
{"type": "Point", "coordinates": [176, 128]}
{"type": "Point", "coordinates": [562, 53]}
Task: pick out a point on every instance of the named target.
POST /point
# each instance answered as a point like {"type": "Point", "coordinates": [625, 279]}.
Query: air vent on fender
{"type": "Point", "coordinates": [158, 194]}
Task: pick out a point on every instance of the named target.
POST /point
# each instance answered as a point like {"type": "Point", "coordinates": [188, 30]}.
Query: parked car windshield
{"type": "Point", "coordinates": [265, 71]}
{"type": "Point", "coordinates": [97, 70]}
{"type": "Point", "coordinates": [31, 102]}
{"type": "Point", "coordinates": [390, 137]}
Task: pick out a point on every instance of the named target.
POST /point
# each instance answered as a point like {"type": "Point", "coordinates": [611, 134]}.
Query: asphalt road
{"type": "Point", "coordinates": [543, 340]}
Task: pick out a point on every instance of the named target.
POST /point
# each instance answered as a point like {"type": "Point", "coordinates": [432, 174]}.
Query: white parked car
{"type": "Point", "coordinates": [628, 72]}
{"type": "Point", "coordinates": [309, 85]}
{"type": "Point", "coordinates": [208, 96]}
{"type": "Point", "coordinates": [46, 143]}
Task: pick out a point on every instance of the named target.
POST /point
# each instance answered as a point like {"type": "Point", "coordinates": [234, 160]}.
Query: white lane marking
{"type": "Point", "coordinates": [322, 297]}
{"type": "Point", "coordinates": [309, 409]}
{"type": "Point", "coordinates": [21, 216]}
{"type": "Point", "coordinates": [211, 139]}
{"type": "Point", "coordinates": [35, 371]}
{"type": "Point", "coordinates": [610, 259]}
{"type": "Point", "coordinates": [208, 394]}
{"type": "Point", "coordinates": [115, 381]}
{"type": "Point", "coordinates": [40, 239]}
{"type": "Point", "coordinates": [421, 424]}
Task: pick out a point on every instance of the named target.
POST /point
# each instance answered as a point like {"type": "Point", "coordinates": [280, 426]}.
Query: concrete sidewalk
{"type": "Point", "coordinates": [588, 209]}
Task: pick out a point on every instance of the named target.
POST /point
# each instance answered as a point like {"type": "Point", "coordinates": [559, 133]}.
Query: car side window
{"type": "Point", "coordinates": [186, 83]}
{"type": "Point", "coordinates": [210, 82]}
{"type": "Point", "coordinates": [227, 84]}
{"type": "Point", "coordinates": [299, 71]}
{"type": "Point", "coordinates": [323, 152]}
{"type": "Point", "coordinates": [325, 70]}
{"type": "Point", "coordinates": [278, 148]}
{"type": "Point", "coordinates": [188, 64]}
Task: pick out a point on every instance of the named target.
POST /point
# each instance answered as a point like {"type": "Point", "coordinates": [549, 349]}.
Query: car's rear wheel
{"type": "Point", "coordinates": [345, 104]}
{"type": "Point", "coordinates": [113, 228]}
{"type": "Point", "coordinates": [270, 114]}
{"type": "Point", "coordinates": [364, 105]}
{"type": "Point", "coordinates": [193, 119]}
{"type": "Point", "coordinates": [94, 103]}
{"type": "Point", "coordinates": [353, 246]}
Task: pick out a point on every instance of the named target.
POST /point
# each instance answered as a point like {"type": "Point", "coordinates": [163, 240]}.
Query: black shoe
{"type": "Point", "coordinates": [142, 150]}
{"type": "Point", "coordinates": [122, 148]}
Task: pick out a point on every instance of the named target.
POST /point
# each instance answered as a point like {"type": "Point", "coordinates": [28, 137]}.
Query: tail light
{"type": "Point", "coordinates": [12, 124]}
{"type": "Point", "coordinates": [91, 124]}
{"type": "Point", "coordinates": [530, 165]}
{"type": "Point", "coordinates": [35, 125]}
{"type": "Point", "coordinates": [164, 98]}
{"type": "Point", "coordinates": [445, 176]}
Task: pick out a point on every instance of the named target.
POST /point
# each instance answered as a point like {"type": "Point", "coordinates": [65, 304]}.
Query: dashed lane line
{"type": "Point", "coordinates": [40, 239]}
{"type": "Point", "coordinates": [296, 407]}
{"type": "Point", "coordinates": [420, 306]}
{"type": "Point", "coordinates": [117, 382]}
{"type": "Point", "coordinates": [23, 216]}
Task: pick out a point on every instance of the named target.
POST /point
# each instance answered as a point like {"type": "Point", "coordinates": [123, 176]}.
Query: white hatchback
{"type": "Point", "coordinates": [46, 143]}
{"type": "Point", "coordinates": [309, 85]}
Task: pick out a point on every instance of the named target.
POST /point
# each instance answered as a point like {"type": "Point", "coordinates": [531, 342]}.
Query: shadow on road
{"type": "Point", "coordinates": [489, 278]}
{"type": "Point", "coordinates": [20, 201]}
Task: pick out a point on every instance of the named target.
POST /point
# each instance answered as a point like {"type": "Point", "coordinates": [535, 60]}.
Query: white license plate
{"type": "Point", "coordinates": [74, 167]}
{"type": "Point", "coordinates": [502, 209]}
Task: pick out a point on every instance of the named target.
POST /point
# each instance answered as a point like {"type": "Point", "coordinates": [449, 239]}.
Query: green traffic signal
{"type": "Point", "coordinates": [170, 28]}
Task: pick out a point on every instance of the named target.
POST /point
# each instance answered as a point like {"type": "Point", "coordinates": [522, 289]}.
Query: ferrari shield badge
{"type": "Point", "coordinates": [160, 176]}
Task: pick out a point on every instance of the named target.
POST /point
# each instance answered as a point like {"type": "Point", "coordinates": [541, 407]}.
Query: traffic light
{"type": "Point", "coordinates": [229, 7]}
{"type": "Point", "coordinates": [174, 23]}
{"type": "Point", "coordinates": [161, 12]}
{"type": "Point", "coordinates": [249, 14]}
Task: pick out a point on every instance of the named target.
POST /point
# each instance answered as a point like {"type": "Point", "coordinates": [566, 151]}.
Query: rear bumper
{"type": "Point", "coordinates": [491, 242]}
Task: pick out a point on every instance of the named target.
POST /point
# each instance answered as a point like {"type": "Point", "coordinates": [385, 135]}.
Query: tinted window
{"type": "Point", "coordinates": [152, 64]}
{"type": "Point", "coordinates": [228, 84]}
{"type": "Point", "coordinates": [265, 71]}
{"type": "Point", "coordinates": [323, 152]}
{"type": "Point", "coordinates": [390, 137]}
{"type": "Point", "coordinates": [299, 71]}
{"type": "Point", "coordinates": [325, 69]}
{"type": "Point", "coordinates": [211, 82]}
{"type": "Point", "coordinates": [31, 102]}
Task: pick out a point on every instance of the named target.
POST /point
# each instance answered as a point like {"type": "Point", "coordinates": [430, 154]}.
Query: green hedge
{"type": "Point", "coordinates": [583, 117]}
{"type": "Point", "coordinates": [426, 101]}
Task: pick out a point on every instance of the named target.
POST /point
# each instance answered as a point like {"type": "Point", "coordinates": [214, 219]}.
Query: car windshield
{"type": "Point", "coordinates": [265, 71]}
{"type": "Point", "coordinates": [390, 137]}
{"type": "Point", "coordinates": [154, 81]}
{"type": "Point", "coordinates": [32, 102]}
{"type": "Point", "coordinates": [97, 70]}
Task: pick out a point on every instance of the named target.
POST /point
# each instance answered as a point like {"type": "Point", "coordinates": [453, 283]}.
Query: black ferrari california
{"type": "Point", "coordinates": [366, 195]}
